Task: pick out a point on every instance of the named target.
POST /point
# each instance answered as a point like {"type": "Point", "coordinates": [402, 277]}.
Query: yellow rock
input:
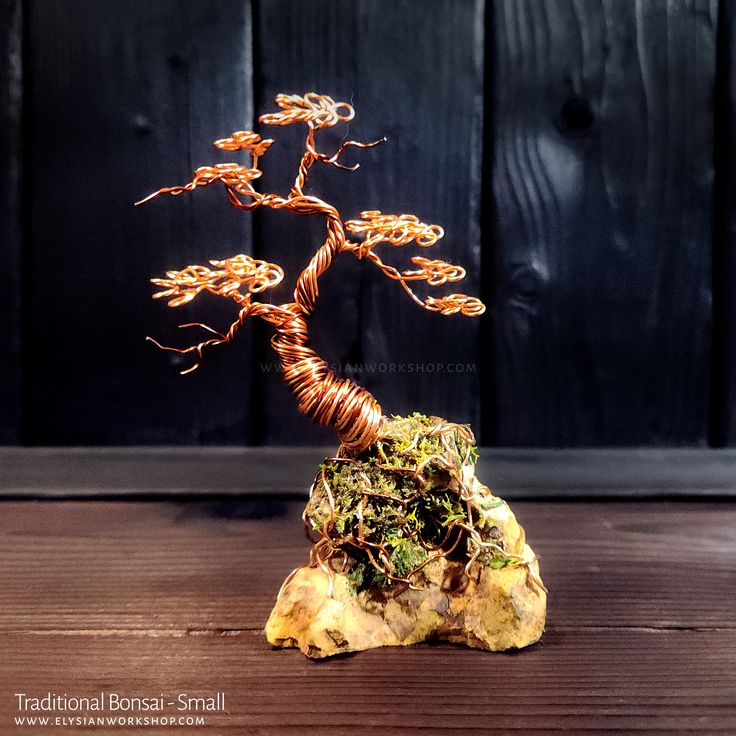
{"type": "Point", "coordinates": [499, 604]}
{"type": "Point", "coordinates": [487, 609]}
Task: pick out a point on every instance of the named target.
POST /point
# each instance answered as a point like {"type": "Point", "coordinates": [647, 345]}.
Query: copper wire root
{"type": "Point", "coordinates": [322, 396]}
{"type": "Point", "coordinates": [333, 542]}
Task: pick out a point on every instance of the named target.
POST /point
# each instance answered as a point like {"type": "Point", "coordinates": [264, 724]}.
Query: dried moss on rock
{"type": "Point", "coordinates": [384, 514]}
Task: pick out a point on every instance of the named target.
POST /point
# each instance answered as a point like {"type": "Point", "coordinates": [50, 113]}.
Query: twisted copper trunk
{"type": "Point", "coordinates": [323, 396]}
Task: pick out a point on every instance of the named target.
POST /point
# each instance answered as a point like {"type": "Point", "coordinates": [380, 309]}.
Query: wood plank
{"type": "Point", "coordinates": [142, 599]}
{"type": "Point", "coordinates": [125, 98]}
{"type": "Point", "coordinates": [602, 199]}
{"type": "Point", "coordinates": [216, 566]}
{"type": "Point", "coordinates": [579, 682]}
{"type": "Point", "coordinates": [11, 219]}
{"type": "Point", "coordinates": [723, 375]}
{"type": "Point", "coordinates": [514, 473]}
{"type": "Point", "coordinates": [378, 54]}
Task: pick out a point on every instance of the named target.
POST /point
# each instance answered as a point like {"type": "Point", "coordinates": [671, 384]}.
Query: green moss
{"type": "Point", "coordinates": [405, 556]}
{"type": "Point", "coordinates": [380, 505]}
{"type": "Point", "coordinates": [498, 563]}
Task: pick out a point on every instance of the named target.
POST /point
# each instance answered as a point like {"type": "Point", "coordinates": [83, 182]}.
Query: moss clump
{"type": "Point", "coordinates": [405, 556]}
{"type": "Point", "coordinates": [410, 497]}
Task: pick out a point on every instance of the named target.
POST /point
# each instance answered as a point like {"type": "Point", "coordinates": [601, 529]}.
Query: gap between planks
{"type": "Point", "coordinates": [249, 631]}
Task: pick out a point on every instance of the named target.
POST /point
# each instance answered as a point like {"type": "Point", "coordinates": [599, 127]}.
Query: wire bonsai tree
{"type": "Point", "coordinates": [400, 492]}
{"type": "Point", "coordinates": [322, 396]}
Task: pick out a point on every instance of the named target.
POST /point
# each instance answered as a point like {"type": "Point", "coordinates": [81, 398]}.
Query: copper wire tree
{"type": "Point", "coordinates": [431, 470]}
{"type": "Point", "coordinates": [322, 396]}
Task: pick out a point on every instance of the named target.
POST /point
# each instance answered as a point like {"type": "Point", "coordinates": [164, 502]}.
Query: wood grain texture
{"type": "Point", "coordinates": [421, 88]}
{"type": "Point", "coordinates": [723, 367]}
{"type": "Point", "coordinates": [576, 682]}
{"type": "Point", "coordinates": [125, 98]}
{"type": "Point", "coordinates": [602, 197]}
{"type": "Point", "coordinates": [218, 565]}
{"type": "Point", "coordinates": [164, 597]}
{"type": "Point", "coordinates": [11, 219]}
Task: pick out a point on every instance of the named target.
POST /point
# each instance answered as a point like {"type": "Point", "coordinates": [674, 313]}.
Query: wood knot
{"type": "Point", "coordinates": [576, 119]}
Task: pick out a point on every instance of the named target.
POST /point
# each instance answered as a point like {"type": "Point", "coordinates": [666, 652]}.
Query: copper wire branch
{"type": "Point", "coordinates": [323, 396]}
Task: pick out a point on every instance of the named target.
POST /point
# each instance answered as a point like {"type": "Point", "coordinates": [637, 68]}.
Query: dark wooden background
{"type": "Point", "coordinates": [578, 154]}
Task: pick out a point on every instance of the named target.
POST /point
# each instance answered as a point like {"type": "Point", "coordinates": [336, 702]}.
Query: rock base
{"type": "Point", "coordinates": [487, 609]}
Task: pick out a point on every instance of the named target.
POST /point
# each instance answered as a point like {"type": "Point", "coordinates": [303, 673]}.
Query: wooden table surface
{"type": "Point", "coordinates": [148, 597]}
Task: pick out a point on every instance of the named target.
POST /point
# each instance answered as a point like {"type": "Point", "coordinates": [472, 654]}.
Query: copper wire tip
{"type": "Point", "coordinates": [146, 199]}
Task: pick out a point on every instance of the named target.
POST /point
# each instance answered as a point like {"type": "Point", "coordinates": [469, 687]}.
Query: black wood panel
{"type": "Point", "coordinates": [723, 397]}
{"type": "Point", "coordinates": [124, 98]}
{"type": "Point", "coordinates": [602, 196]}
{"type": "Point", "coordinates": [598, 190]}
{"type": "Point", "coordinates": [414, 74]}
{"type": "Point", "coordinates": [11, 98]}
